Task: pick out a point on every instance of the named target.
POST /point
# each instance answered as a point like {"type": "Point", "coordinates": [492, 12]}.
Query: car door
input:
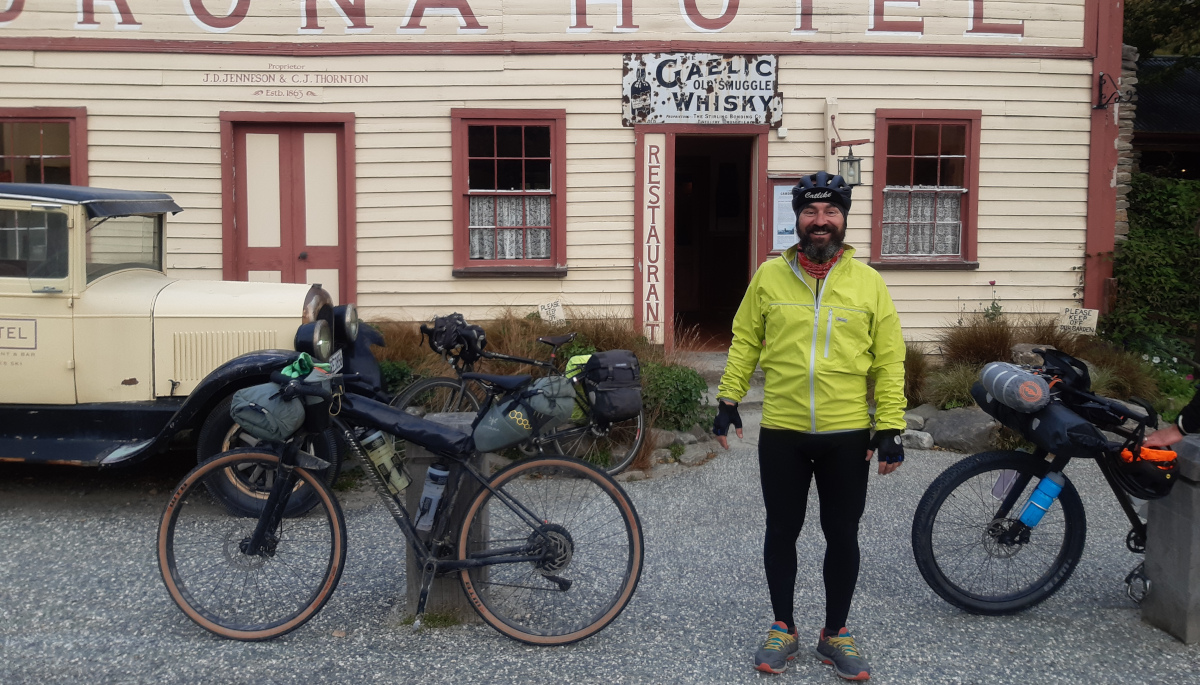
{"type": "Point", "coordinates": [37, 361]}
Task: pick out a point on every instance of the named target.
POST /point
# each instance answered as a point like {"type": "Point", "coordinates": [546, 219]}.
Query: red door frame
{"type": "Point", "coordinates": [1100, 239]}
{"type": "Point", "coordinates": [760, 132]}
{"type": "Point", "coordinates": [230, 268]}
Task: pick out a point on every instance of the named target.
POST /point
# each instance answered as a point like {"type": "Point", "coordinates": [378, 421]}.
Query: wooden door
{"type": "Point", "coordinates": [289, 190]}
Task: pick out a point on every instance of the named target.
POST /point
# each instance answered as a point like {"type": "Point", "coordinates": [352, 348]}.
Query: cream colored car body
{"type": "Point", "coordinates": [134, 334]}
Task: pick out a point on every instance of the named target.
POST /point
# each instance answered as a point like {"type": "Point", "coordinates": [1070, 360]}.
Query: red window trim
{"type": "Point", "coordinates": [556, 265]}
{"type": "Point", "coordinates": [75, 117]}
{"type": "Point", "coordinates": [969, 258]}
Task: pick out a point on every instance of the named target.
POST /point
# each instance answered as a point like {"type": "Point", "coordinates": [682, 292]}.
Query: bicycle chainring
{"type": "Point", "coordinates": [1135, 541]}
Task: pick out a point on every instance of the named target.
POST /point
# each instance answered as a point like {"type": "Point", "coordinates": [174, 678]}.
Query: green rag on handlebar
{"type": "Point", "coordinates": [303, 366]}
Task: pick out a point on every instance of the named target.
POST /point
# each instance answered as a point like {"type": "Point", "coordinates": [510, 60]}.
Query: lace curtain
{"type": "Point", "coordinates": [922, 221]}
{"type": "Point", "coordinates": [509, 227]}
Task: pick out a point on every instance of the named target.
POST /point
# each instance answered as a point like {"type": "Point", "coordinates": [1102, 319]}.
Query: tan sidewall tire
{"type": "Point", "coordinates": [167, 524]}
{"type": "Point", "coordinates": [637, 551]}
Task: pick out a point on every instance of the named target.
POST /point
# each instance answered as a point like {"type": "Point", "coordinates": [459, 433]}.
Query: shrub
{"type": "Point", "coordinates": [916, 369]}
{"type": "Point", "coordinates": [977, 339]}
{"type": "Point", "coordinates": [1118, 373]}
{"type": "Point", "coordinates": [1043, 330]}
{"type": "Point", "coordinates": [674, 393]}
{"type": "Point", "coordinates": [949, 386]}
{"type": "Point", "coordinates": [1158, 300]}
{"type": "Point", "coordinates": [396, 375]}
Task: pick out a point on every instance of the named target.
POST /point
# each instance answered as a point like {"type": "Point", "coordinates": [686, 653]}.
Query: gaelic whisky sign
{"type": "Point", "coordinates": [701, 88]}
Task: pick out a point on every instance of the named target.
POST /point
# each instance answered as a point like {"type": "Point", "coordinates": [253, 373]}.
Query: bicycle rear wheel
{"type": "Point", "coordinates": [238, 595]}
{"type": "Point", "coordinates": [611, 448]}
{"type": "Point", "coordinates": [581, 548]}
{"type": "Point", "coordinates": [438, 394]}
{"type": "Point", "coordinates": [957, 535]}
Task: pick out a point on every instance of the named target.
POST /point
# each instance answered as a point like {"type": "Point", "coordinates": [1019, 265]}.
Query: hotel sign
{"type": "Point", "coordinates": [701, 88]}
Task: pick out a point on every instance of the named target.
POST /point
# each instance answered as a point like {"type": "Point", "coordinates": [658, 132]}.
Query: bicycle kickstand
{"type": "Point", "coordinates": [427, 575]}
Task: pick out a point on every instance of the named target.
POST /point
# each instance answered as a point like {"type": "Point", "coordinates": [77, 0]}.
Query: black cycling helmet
{"type": "Point", "coordinates": [821, 187]}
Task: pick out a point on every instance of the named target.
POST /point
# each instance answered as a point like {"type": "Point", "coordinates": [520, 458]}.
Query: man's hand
{"type": "Point", "coordinates": [1164, 437]}
{"type": "Point", "coordinates": [727, 414]}
{"type": "Point", "coordinates": [891, 450]}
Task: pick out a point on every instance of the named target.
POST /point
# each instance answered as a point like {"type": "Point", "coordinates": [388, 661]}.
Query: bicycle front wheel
{"type": "Point", "coordinates": [204, 563]}
{"type": "Point", "coordinates": [565, 549]}
{"type": "Point", "coordinates": [611, 448]}
{"type": "Point", "coordinates": [959, 541]}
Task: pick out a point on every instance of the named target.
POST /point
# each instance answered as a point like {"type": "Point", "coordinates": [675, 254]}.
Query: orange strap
{"type": "Point", "coordinates": [1149, 454]}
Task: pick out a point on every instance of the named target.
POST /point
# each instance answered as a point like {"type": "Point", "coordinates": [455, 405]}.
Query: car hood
{"type": "Point", "coordinates": [233, 299]}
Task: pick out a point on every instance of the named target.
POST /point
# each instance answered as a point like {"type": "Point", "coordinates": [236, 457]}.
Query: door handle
{"type": "Point", "coordinates": [303, 256]}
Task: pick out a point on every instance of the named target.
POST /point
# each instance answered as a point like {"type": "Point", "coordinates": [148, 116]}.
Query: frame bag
{"type": "Point", "coordinates": [612, 382]}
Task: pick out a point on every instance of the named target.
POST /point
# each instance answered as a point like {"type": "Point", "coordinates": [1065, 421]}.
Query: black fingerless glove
{"type": "Point", "coordinates": [887, 445]}
{"type": "Point", "coordinates": [727, 413]}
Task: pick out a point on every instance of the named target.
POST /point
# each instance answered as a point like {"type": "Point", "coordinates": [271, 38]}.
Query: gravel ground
{"type": "Point", "coordinates": [81, 599]}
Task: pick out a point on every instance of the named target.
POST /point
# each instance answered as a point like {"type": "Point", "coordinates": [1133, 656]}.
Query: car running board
{"type": "Point", "coordinates": [71, 452]}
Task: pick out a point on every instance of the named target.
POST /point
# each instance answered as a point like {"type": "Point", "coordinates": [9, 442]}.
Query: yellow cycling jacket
{"type": "Point", "coordinates": [818, 347]}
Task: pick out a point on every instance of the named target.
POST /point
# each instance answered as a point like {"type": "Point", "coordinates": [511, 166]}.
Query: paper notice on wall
{"type": "Point", "coordinates": [1080, 321]}
{"type": "Point", "coordinates": [551, 311]}
{"type": "Point", "coordinates": [784, 230]}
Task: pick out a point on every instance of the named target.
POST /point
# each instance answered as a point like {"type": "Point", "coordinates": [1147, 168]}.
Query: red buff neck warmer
{"type": "Point", "coordinates": [817, 271]}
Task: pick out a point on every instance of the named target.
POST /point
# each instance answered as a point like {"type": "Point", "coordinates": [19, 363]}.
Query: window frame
{"type": "Point", "coordinates": [968, 240]}
{"type": "Point", "coordinates": [76, 120]}
{"type": "Point", "coordinates": [556, 265]}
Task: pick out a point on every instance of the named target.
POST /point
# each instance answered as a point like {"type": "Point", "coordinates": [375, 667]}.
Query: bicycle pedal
{"type": "Point", "coordinates": [1137, 585]}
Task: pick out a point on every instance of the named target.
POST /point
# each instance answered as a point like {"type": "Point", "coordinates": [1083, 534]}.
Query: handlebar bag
{"type": "Point", "coordinates": [453, 335]}
{"type": "Point", "coordinates": [1054, 427]}
{"type": "Point", "coordinates": [263, 413]}
{"type": "Point", "coordinates": [612, 382]}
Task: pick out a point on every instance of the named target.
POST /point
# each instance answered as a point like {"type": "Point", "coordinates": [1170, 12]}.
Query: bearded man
{"type": "Point", "coordinates": [819, 323]}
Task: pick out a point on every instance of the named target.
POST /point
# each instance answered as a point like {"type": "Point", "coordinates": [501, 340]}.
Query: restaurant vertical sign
{"type": "Point", "coordinates": [653, 255]}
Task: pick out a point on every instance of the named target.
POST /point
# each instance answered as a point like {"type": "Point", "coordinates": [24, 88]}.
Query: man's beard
{"type": "Point", "coordinates": [825, 252]}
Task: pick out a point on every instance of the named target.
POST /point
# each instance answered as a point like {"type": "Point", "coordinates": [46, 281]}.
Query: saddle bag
{"type": "Point", "coordinates": [612, 383]}
{"type": "Point", "coordinates": [261, 412]}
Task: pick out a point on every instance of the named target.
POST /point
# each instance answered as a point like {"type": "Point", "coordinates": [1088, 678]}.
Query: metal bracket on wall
{"type": "Point", "coordinates": [1102, 100]}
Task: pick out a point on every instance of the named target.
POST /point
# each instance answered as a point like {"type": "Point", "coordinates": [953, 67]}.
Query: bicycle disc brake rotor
{"type": "Point", "coordinates": [997, 549]}
{"type": "Point", "coordinates": [556, 547]}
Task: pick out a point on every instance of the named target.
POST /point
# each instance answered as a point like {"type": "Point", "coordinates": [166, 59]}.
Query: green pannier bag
{"type": "Point", "coordinates": [261, 412]}
{"type": "Point", "coordinates": [554, 401]}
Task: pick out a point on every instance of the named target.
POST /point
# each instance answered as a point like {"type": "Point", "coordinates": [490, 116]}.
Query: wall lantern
{"type": "Point", "coordinates": [850, 168]}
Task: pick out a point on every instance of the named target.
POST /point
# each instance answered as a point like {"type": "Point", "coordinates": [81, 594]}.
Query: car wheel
{"type": "Point", "coordinates": [241, 489]}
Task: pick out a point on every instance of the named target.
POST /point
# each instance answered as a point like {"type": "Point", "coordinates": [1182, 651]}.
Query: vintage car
{"type": "Point", "coordinates": [105, 358]}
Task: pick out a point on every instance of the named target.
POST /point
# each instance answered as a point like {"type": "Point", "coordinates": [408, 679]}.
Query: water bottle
{"type": "Point", "coordinates": [381, 451]}
{"type": "Point", "coordinates": [431, 496]}
{"type": "Point", "coordinates": [1043, 496]}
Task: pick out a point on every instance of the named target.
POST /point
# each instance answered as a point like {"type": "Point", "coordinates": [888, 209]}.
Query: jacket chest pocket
{"type": "Point", "coordinates": [847, 333]}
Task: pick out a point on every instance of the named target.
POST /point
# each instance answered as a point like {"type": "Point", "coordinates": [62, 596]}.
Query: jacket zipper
{"type": "Point", "coordinates": [828, 332]}
{"type": "Point", "coordinates": [812, 354]}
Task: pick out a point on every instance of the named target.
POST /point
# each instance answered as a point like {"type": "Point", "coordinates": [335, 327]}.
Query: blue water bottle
{"type": "Point", "coordinates": [1042, 498]}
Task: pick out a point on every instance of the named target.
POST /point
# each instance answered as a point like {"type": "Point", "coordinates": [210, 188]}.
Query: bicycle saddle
{"type": "Point", "coordinates": [506, 382]}
{"type": "Point", "coordinates": [557, 340]}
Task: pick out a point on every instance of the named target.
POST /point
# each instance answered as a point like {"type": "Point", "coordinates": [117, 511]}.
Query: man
{"type": "Point", "coordinates": [819, 323]}
{"type": "Point", "coordinates": [1187, 423]}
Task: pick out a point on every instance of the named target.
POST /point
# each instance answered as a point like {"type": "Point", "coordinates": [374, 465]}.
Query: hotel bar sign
{"type": "Point", "coordinates": [701, 88]}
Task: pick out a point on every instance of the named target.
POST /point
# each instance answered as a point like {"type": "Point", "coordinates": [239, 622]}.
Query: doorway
{"type": "Point", "coordinates": [287, 205]}
{"type": "Point", "coordinates": [713, 213]}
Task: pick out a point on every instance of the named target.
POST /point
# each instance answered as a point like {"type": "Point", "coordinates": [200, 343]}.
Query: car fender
{"type": "Point", "coordinates": [235, 374]}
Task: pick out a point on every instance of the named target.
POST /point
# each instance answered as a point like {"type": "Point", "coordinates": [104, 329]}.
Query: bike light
{"type": "Point", "coordinates": [345, 324]}
{"type": "Point", "coordinates": [315, 338]}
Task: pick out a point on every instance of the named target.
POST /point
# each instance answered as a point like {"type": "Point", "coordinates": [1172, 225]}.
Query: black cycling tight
{"type": "Point", "coordinates": [788, 461]}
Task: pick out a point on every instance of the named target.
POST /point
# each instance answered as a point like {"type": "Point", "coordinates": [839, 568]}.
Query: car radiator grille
{"type": "Point", "coordinates": [197, 354]}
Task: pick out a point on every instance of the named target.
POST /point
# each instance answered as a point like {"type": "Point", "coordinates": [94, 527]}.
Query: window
{"type": "Point", "coordinates": [123, 242]}
{"type": "Point", "coordinates": [509, 177]}
{"type": "Point", "coordinates": [926, 185]}
{"type": "Point", "coordinates": [33, 244]}
{"type": "Point", "coordinates": [43, 145]}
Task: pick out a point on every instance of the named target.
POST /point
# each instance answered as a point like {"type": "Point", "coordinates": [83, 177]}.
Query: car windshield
{"type": "Point", "coordinates": [123, 242]}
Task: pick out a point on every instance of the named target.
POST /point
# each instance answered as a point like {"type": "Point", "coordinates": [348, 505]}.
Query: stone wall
{"type": "Point", "coordinates": [1127, 159]}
